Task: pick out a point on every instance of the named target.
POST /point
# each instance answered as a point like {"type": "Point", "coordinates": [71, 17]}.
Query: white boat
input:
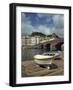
{"type": "Point", "coordinates": [45, 58]}
{"type": "Point", "coordinates": [55, 54]}
{"type": "Point", "coordinates": [42, 59]}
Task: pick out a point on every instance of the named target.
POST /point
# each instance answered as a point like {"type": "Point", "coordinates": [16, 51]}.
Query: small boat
{"type": "Point", "coordinates": [46, 58]}
{"type": "Point", "coordinates": [43, 59]}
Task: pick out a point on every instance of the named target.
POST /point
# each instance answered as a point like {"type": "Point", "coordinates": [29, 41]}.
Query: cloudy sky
{"type": "Point", "coordinates": [40, 22]}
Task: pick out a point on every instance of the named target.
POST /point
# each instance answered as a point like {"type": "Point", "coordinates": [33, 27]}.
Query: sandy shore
{"type": "Point", "coordinates": [30, 68]}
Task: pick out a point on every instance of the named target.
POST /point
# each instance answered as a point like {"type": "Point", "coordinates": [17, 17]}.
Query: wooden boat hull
{"type": "Point", "coordinates": [41, 59]}
{"type": "Point", "coordinates": [44, 61]}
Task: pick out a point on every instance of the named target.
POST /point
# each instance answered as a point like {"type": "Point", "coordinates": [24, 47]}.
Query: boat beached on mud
{"type": "Point", "coordinates": [46, 58]}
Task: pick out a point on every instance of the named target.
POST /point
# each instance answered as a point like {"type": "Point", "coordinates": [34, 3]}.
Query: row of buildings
{"type": "Point", "coordinates": [50, 42]}
{"type": "Point", "coordinates": [32, 40]}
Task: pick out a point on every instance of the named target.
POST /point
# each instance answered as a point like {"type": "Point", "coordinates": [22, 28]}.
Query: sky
{"type": "Point", "coordinates": [42, 22]}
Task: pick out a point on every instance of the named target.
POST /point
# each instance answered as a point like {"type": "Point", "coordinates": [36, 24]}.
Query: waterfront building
{"type": "Point", "coordinates": [35, 40]}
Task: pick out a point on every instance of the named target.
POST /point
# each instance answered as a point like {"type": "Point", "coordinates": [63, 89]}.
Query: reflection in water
{"type": "Point", "coordinates": [28, 53]}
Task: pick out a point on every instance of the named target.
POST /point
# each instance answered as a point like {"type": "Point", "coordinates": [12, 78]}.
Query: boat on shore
{"type": "Point", "coordinates": [46, 58]}
{"type": "Point", "coordinates": [42, 59]}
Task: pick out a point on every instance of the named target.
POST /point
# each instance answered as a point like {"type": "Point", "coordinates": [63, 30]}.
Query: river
{"type": "Point", "coordinates": [28, 53]}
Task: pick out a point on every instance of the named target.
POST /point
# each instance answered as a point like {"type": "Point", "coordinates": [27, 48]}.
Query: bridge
{"type": "Point", "coordinates": [47, 44]}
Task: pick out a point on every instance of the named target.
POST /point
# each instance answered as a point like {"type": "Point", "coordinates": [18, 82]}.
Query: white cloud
{"type": "Point", "coordinates": [27, 28]}
{"type": "Point", "coordinates": [44, 29]}
{"type": "Point", "coordinates": [58, 27]}
{"type": "Point", "coordinates": [58, 21]}
{"type": "Point", "coordinates": [41, 15]}
{"type": "Point", "coordinates": [58, 31]}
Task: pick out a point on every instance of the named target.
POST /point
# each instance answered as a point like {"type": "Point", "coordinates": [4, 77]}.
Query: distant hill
{"type": "Point", "coordinates": [38, 34]}
{"type": "Point", "coordinates": [49, 35]}
{"type": "Point", "coordinates": [42, 35]}
{"type": "Point", "coordinates": [53, 35]}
